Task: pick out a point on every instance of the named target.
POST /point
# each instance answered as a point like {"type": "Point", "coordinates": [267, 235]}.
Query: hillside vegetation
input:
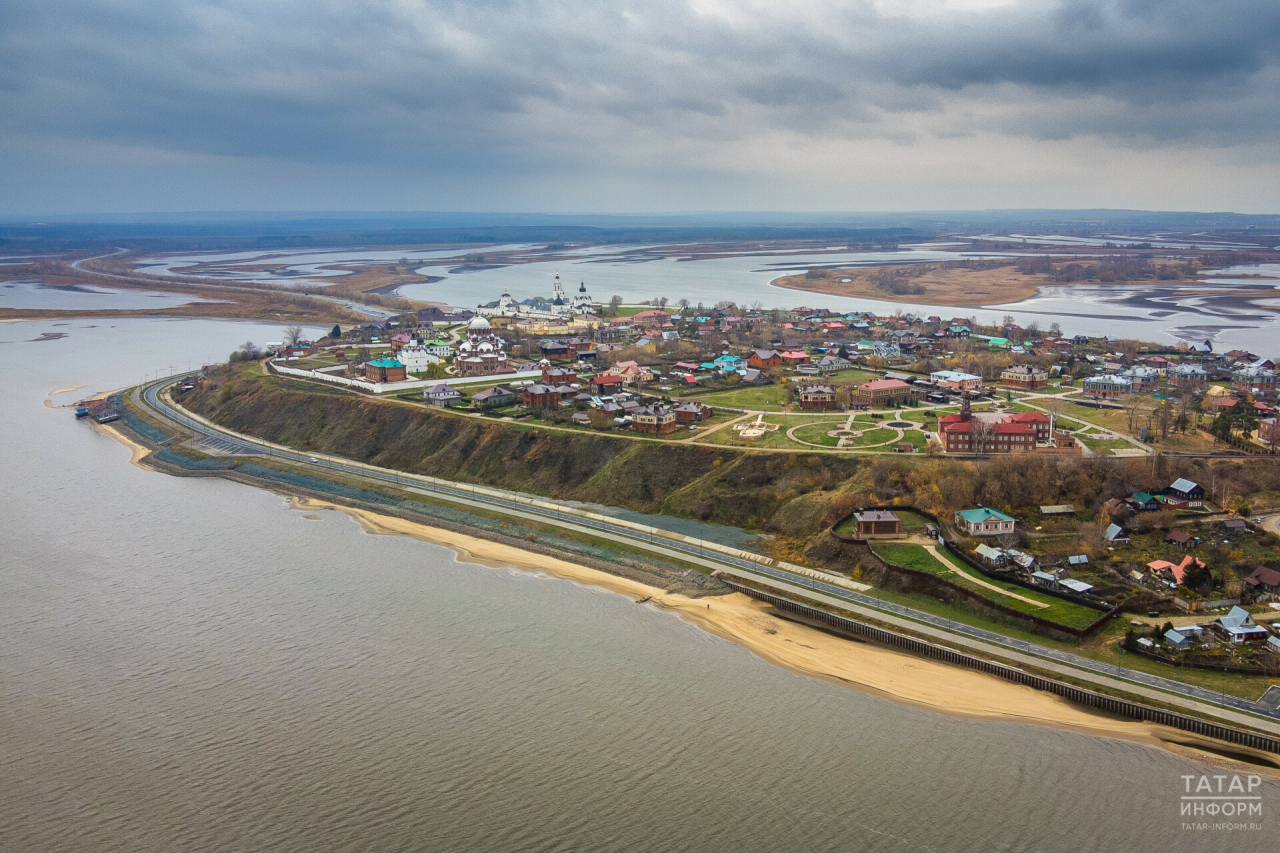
{"type": "Point", "coordinates": [793, 494]}
{"type": "Point", "coordinates": [788, 493]}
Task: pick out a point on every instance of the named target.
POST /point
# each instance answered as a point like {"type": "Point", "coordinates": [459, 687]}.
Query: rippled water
{"type": "Point", "coordinates": [191, 665]}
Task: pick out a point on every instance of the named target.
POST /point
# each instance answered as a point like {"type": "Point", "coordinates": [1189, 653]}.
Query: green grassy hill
{"type": "Point", "coordinates": [722, 485]}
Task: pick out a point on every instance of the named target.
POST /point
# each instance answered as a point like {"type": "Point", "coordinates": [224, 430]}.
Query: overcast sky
{"type": "Point", "coordinates": [660, 105]}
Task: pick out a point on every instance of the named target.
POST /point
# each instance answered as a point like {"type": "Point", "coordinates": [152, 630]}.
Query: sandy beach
{"type": "Point", "coordinates": [893, 675]}
{"type": "Point", "coordinates": [904, 678]}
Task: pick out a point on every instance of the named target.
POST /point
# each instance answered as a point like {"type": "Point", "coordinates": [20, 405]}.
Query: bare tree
{"type": "Point", "coordinates": [615, 302]}
{"type": "Point", "coordinates": [1007, 541]}
{"type": "Point", "coordinates": [1164, 417]}
{"type": "Point", "coordinates": [661, 302]}
{"type": "Point", "coordinates": [1136, 409]}
{"type": "Point", "coordinates": [983, 434]}
{"type": "Point", "coordinates": [292, 334]}
{"type": "Point", "coordinates": [1053, 406]}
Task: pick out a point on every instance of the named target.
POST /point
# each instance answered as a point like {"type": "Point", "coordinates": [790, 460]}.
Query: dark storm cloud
{"type": "Point", "coordinates": [487, 84]}
{"type": "Point", "coordinates": [1162, 50]}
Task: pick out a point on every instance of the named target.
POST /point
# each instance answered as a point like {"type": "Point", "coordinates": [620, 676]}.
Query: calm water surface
{"type": "Point", "coordinates": [1235, 314]}
{"type": "Point", "coordinates": [192, 665]}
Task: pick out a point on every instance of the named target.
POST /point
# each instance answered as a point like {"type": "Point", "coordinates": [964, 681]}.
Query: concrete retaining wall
{"type": "Point", "coordinates": [1119, 707]}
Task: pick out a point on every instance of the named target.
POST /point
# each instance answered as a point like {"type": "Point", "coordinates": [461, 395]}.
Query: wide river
{"type": "Point", "coordinates": [1230, 310]}
{"type": "Point", "coordinates": [193, 665]}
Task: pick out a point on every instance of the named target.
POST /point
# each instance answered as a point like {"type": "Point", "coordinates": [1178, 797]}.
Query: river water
{"type": "Point", "coordinates": [1230, 312]}
{"type": "Point", "coordinates": [193, 665]}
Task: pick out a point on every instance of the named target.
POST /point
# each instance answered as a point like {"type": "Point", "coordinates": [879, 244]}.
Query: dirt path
{"type": "Point", "coordinates": [693, 437]}
{"type": "Point", "coordinates": [933, 549]}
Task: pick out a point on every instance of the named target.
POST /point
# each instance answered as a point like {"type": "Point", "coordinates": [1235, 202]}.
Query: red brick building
{"type": "Point", "coordinates": [545, 396]}
{"type": "Point", "coordinates": [607, 384]}
{"type": "Point", "coordinates": [558, 376]}
{"type": "Point", "coordinates": [1269, 430]}
{"type": "Point", "coordinates": [884, 393]}
{"type": "Point", "coordinates": [816, 397]}
{"type": "Point", "coordinates": [690, 413]}
{"type": "Point", "coordinates": [1024, 376]}
{"type": "Point", "coordinates": [1037, 421]}
{"type": "Point", "coordinates": [658, 420]}
{"type": "Point", "coordinates": [963, 433]}
{"type": "Point", "coordinates": [385, 370]}
{"type": "Point", "coordinates": [762, 358]}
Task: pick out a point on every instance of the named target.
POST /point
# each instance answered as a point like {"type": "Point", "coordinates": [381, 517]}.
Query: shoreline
{"type": "Point", "coordinates": [811, 652]}
{"type": "Point", "coordinates": [945, 297]}
{"type": "Point", "coordinates": [800, 648]}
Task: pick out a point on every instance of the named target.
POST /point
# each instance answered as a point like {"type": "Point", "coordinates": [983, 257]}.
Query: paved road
{"type": "Point", "coordinates": [704, 556]}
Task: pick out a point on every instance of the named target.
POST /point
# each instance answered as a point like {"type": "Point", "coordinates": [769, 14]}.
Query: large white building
{"type": "Point", "coordinates": [416, 356]}
{"type": "Point", "coordinates": [557, 307]}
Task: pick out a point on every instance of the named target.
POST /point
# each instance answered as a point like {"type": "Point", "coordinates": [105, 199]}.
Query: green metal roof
{"type": "Point", "coordinates": [982, 513]}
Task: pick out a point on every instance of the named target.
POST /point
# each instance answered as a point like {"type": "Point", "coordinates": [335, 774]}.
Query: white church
{"type": "Point", "coordinates": [558, 306]}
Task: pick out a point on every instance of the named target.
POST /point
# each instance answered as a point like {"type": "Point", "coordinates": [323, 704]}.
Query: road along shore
{"type": "Point", "coordinates": [801, 648]}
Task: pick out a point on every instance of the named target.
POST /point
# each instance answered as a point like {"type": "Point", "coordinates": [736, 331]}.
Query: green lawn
{"type": "Point", "coordinates": [1058, 610]}
{"type": "Point", "coordinates": [871, 434]}
{"type": "Point", "coordinates": [1113, 419]}
{"type": "Point", "coordinates": [854, 374]}
{"type": "Point", "coordinates": [756, 397]}
{"type": "Point", "coordinates": [1105, 446]}
{"type": "Point", "coordinates": [775, 439]}
{"type": "Point", "coordinates": [910, 522]}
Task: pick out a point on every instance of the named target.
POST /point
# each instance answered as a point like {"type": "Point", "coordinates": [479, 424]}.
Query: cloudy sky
{"type": "Point", "coordinates": [660, 105]}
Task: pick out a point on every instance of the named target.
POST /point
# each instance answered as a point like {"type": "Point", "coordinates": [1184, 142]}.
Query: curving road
{"type": "Point", "coordinates": [711, 555]}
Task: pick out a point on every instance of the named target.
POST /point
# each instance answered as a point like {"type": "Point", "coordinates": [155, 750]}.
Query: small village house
{"type": "Point", "coordinates": [876, 522]}
{"type": "Point", "coordinates": [442, 395]}
{"type": "Point", "coordinates": [492, 398]}
{"type": "Point", "coordinates": [693, 412]}
{"type": "Point", "coordinates": [816, 397]}
{"type": "Point", "coordinates": [765, 358]}
{"type": "Point", "coordinates": [1238, 627]}
{"type": "Point", "coordinates": [541, 396]}
{"type": "Point", "coordinates": [957, 381]}
{"type": "Point", "coordinates": [656, 419]}
{"type": "Point", "coordinates": [1183, 490]}
{"type": "Point", "coordinates": [984, 521]}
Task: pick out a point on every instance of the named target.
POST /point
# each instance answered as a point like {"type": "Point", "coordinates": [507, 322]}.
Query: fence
{"type": "Point", "coordinates": [391, 387]}
{"type": "Point", "coordinates": [926, 579]}
{"type": "Point", "coordinates": [1193, 661]}
{"type": "Point", "coordinates": [1119, 707]}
